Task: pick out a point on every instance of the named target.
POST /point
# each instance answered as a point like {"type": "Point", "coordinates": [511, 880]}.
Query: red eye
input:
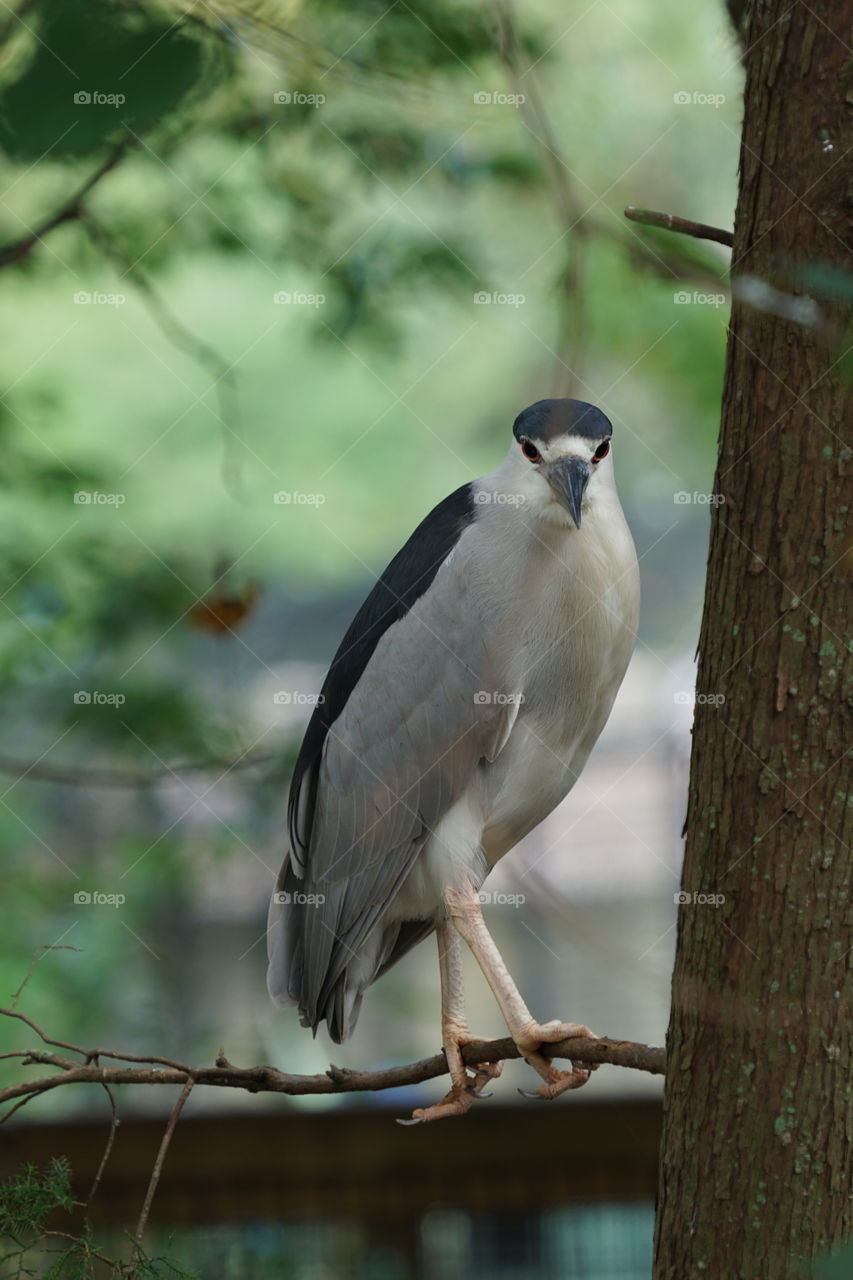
{"type": "Point", "coordinates": [602, 451]}
{"type": "Point", "coordinates": [531, 452]}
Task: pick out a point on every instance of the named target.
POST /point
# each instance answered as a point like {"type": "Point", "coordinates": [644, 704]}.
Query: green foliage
{"type": "Point", "coordinates": [28, 1200]}
{"type": "Point", "coordinates": [95, 73]}
{"type": "Point", "coordinates": [33, 1247]}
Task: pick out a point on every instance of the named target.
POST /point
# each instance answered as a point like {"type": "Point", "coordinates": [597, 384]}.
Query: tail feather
{"type": "Point", "coordinates": [340, 1003]}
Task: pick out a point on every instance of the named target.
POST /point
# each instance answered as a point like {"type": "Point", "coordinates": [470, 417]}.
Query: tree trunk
{"type": "Point", "coordinates": [757, 1153]}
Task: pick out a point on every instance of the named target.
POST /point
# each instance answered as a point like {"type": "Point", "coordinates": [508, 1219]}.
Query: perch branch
{"type": "Point", "coordinates": [266, 1079]}
{"type": "Point", "coordinates": [670, 222]}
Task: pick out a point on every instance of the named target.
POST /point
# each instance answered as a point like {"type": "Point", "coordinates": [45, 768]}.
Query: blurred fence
{"type": "Point", "coordinates": [563, 1191]}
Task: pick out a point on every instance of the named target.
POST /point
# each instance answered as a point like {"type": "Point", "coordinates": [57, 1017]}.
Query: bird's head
{"type": "Point", "coordinates": [566, 444]}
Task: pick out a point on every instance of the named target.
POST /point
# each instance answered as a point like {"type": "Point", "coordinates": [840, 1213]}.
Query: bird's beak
{"type": "Point", "coordinates": [568, 477]}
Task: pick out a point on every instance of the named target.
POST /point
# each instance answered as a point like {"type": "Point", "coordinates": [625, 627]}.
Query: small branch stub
{"type": "Point", "coordinates": [671, 222]}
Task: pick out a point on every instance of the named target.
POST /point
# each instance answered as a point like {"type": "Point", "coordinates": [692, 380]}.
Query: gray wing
{"type": "Point", "coordinates": [401, 753]}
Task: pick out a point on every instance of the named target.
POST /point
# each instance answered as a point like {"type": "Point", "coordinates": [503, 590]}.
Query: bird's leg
{"type": "Point", "coordinates": [465, 1085]}
{"type": "Point", "coordinates": [464, 909]}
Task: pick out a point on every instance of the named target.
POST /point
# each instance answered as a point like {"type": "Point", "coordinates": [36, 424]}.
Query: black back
{"type": "Point", "coordinates": [400, 585]}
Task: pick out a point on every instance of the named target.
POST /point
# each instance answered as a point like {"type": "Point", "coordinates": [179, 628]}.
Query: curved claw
{"type": "Point", "coordinates": [527, 1093]}
{"type": "Point", "coordinates": [409, 1123]}
{"type": "Point", "coordinates": [478, 1094]}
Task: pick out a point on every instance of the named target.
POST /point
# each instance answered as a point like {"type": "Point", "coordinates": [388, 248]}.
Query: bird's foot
{"type": "Point", "coordinates": [467, 1085]}
{"type": "Point", "coordinates": [530, 1041]}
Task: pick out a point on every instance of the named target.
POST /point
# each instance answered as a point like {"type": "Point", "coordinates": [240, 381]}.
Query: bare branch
{"type": "Point", "coordinates": [175, 331]}
{"type": "Point", "coordinates": [114, 1123]}
{"type": "Point", "coordinates": [67, 775]}
{"type": "Point", "coordinates": [670, 222]}
{"type": "Point", "coordinates": [161, 1156]}
{"type": "Point", "coordinates": [37, 955]}
{"type": "Point", "coordinates": [70, 211]}
{"type": "Point", "coordinates": [566, 199]}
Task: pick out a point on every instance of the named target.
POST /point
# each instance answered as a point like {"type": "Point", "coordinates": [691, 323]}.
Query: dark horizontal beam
{"type": "Point", "coordinates": [348, 1163]}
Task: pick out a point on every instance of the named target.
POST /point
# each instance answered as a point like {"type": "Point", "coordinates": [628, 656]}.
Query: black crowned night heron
{"type": "Point", "coordinates": [458, 712]}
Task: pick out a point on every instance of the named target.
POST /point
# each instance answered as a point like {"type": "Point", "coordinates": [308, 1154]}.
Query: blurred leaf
{"type": "Point", "coordinates": [97, 69]}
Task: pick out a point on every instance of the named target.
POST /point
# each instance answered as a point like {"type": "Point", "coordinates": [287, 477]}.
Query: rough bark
{"type": "Point", "coordinates": [757, 1153]}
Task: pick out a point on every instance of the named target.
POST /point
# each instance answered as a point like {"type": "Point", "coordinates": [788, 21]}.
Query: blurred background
{"type": "Point", "coordinates": [325, 256]}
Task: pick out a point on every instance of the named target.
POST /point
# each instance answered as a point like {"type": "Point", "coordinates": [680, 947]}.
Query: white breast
{"type": "Point", "coordinates": [579, 600]}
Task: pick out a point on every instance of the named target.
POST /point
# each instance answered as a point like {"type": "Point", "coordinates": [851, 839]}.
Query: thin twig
{"type": "Point", "coordinates": [71, 210]}
{"type": "Point", "coordinates": [37, 955]}
{"type": "Point", "coordinates": [69, 776]}
{"type": "Point", "coordinates": [114, 1123]}
{"type": "Point", "coordinates": [77, 1243]}
{"type": "Point", "coordinates": [670, 222]}
{"type": "Point", "coordinates": [161, 1156]}
{"type": "Point", "coordinates": [90, 1055]}
{"type": "Point", "coordinates": [566, 198]}
{"type": "Point", "coordinates": [175, 331]}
